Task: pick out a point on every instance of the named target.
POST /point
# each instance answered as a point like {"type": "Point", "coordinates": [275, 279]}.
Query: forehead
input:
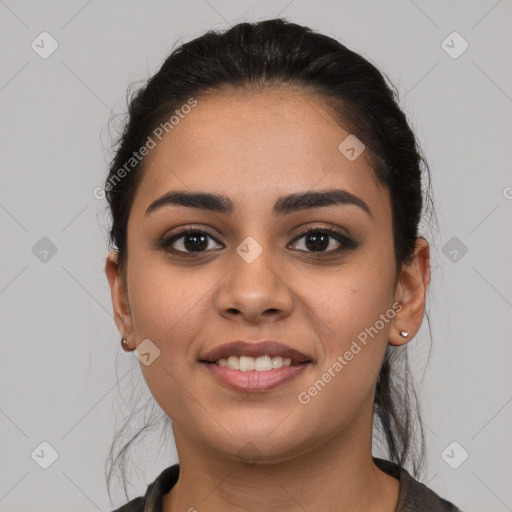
{"type": "Point", "coordinates": [253, 146]}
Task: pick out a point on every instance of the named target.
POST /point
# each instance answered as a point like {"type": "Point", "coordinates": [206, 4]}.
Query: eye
{"type": "Point", "coordinates": [188, 241]}
{"type": "Point", "coordinates": [323, 240]}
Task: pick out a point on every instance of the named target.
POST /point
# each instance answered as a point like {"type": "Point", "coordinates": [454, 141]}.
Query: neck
{"type": "Point", "coordinates": [337, 475]}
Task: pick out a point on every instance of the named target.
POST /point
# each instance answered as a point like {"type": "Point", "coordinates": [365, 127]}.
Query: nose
{"type": "Point", "coordinates": [255, 291]}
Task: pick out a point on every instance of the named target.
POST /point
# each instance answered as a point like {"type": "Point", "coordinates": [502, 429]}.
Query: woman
{"type": "Point", "coordinates": [265, 199]}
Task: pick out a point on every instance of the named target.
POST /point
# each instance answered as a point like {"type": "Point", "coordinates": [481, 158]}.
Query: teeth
{"type": "Point", "coordinates": [246, 363]}
{"type": "Point", "coordinates": [277, 362]}
{"type": "Point", "coordinates": [263, 363]}
{"type": "Point", "coordinates": [260, 364]}
{"type": "Point", "coordinates": [233, 362]}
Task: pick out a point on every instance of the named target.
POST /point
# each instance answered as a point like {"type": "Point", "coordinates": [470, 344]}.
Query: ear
{"type": "Point", "coordinates": [411, 291]}
{"type": "Point", "coordinates": [120, 303]}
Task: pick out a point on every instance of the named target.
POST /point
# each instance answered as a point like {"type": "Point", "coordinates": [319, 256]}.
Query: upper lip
{"type": "Point", "coordinates": [252, 349]}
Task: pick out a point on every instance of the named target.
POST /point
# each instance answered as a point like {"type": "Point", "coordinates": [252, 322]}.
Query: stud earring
{"type": "Point", "coordinates": [125, 344]}
{"type": "Point", "coordinates": [404, 334]}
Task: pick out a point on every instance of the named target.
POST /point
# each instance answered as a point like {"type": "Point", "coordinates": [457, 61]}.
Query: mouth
{"type": "Point", "coordinates": [260, 366]}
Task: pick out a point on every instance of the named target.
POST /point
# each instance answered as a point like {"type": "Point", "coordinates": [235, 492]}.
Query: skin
{"type": "Point", "coordinates": [255, 147]}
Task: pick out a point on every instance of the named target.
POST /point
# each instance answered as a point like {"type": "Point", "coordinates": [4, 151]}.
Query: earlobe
{"type": "Point", "coordinates": [120, 303]}
{"type": "Point", "coordinates": [411, 293]}
{"type": "Point", "coordinates": [399, 336]}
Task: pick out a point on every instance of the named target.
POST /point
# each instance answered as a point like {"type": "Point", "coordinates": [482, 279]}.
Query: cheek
{"type": "Point", "coordinates": [167, 306]}
{"type": "Point", "coordinates": [353, 307]}
{"type": "Point", "coordinates": [351, 299]}
{"type": "Point", "coordinates": [352, 351]}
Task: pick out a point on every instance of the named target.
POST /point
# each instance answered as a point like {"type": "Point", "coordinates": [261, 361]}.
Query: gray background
{"type": "Point", "coordinates": [60, 346]}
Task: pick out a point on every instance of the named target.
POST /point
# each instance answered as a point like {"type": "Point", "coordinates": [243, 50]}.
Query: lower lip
{"type": "Point", "coordinates": [254, 380]}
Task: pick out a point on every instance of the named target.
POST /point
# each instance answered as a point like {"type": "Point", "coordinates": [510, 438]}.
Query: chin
{"type": "Point", "coordinates": [259, 445]}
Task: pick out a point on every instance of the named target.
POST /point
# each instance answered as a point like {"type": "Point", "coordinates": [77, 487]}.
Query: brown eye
{"type": "Point", "coordinates": [188, 241]}
{"type": "Point", "coordinates": [324, 241]}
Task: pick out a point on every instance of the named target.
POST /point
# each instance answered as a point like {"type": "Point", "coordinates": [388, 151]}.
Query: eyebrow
{"type": "Point", "coordinates": [284, 205]}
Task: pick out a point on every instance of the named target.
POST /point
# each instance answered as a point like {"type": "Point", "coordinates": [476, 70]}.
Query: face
{"type": "Point", "coordinates": [316, 277]}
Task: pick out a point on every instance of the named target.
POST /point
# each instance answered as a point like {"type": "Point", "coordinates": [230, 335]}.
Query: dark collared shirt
{"type": "Point", "coordinates": [414, 496]}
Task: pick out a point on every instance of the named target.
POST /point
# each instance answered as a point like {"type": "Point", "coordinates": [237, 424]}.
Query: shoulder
{"type": "Point", "coordinates": [152, 499]}
{"type": "Point", "coordinates": [414, 496]}
{"type": "Point", "coordinates": [135, 505]}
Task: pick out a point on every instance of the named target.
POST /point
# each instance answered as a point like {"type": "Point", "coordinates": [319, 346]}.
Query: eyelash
{"type": "Point", "coordinates": [345, 242]}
